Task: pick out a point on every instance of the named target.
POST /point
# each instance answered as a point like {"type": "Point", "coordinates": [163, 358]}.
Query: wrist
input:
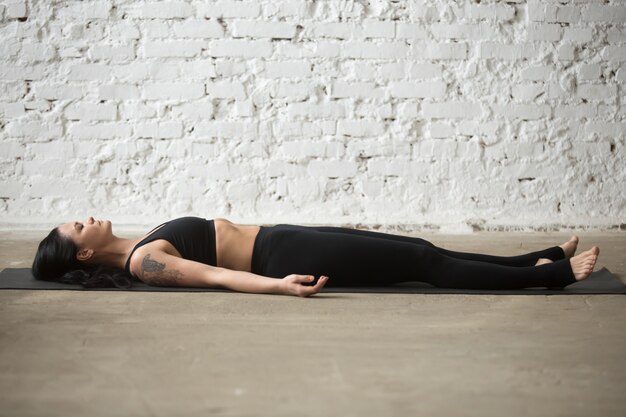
{"type": "Point", "coordinates": [279, 287]}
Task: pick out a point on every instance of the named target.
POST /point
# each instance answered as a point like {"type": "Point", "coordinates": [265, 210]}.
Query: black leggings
{"type": "Point", "coordinates": [352, 257]}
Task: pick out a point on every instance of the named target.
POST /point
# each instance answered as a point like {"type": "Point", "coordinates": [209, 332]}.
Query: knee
{"type": "Point", "coordinates": [422, 242]}
{"type": "Point", "coordinates": [429, 244]}
{"type": "Point", "coordinates": [429, 254]}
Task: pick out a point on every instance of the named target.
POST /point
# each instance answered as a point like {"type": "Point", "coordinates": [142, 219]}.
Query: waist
{"type": "Point", "coordinates": [234, 244]}
{"type": "Point", "coordinates": [260, 250]}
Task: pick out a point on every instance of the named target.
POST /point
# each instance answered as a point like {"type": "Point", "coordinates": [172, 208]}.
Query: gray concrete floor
{"type": "Point", "coordinates": [78, 353]}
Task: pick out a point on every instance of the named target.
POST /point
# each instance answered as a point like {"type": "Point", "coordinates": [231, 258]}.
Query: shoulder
{"type": "Point", "coordinates": [151, 249]}
{"type": "Point", "coordinates": [135, 260]}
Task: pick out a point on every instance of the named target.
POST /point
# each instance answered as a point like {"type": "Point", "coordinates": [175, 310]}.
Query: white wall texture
{"type": "Point", "coordinates": [417, 115]}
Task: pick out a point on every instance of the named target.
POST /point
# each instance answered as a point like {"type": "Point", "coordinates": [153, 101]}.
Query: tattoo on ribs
{"type": "Point", "coordinates": [154, 273]}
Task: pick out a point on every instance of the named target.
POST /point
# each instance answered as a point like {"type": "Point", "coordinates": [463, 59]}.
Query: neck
{"type": "Point", "coordinates": [115, 253]}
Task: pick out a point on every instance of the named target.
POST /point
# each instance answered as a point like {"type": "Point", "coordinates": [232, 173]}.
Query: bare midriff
{"type": "Point", "coordinates": [234, 244]}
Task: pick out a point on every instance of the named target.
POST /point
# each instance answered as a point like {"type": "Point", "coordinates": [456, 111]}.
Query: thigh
{"type": "Point", "coordinates": [368, 233]}
{"type": "Point", "coordinates": [347, 259]}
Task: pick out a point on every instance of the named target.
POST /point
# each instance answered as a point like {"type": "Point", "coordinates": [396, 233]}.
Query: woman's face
{"type": "Point", "coordinates": [87, 234]}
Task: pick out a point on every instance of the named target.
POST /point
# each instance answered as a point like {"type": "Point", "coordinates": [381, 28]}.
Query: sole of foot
{"type": "Point", "coordinates": [570, 246]}
{"type": "Point", "coordinates": [583, 263]}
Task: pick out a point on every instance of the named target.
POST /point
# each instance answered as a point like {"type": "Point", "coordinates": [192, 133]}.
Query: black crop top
{"type": "Point", "coordinates": [193, 238]}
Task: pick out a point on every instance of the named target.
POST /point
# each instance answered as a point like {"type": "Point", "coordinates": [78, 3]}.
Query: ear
{"type": "Point", "coordinates": [84, 254]}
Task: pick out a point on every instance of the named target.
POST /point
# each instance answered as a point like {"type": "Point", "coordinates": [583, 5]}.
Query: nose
{"type": "Point", "coordinates": [91, 220]}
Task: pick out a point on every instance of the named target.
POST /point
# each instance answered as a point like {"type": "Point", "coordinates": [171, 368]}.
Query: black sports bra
{"type": "Point", "coordinates": [193, 238]}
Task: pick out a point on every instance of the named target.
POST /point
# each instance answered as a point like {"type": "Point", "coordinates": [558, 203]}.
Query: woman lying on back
{"type": "Point", "coordinates": [287, 259]}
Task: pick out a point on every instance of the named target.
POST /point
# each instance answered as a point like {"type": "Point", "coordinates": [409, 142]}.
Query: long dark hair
{"type": "Point", "coordinates": [55, 260]}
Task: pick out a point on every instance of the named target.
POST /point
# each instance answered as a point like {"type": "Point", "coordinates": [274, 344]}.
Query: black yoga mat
{"type": "Point", "coordinates": [599, 282]}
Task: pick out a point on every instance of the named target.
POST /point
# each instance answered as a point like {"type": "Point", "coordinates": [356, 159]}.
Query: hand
{"type": "Point", "coordinates": [292, 285]}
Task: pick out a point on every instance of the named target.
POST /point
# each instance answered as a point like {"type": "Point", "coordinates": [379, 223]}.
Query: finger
{"type": "Point", "coordinates": [308, 280]}
{"type": "Point", "coordinates": [321, 282]}
{"type": "Point", "coordinates": [309, 291]}
{"type": "Point", "coordinates": [319, 285]}
{"type": "Point", "coordinates": [304, 278]}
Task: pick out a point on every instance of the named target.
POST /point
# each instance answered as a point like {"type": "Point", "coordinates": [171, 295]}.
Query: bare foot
{"type": "Point", "coordinates": [569, 247]}
{"type": "Point", "coordinates": [583, 263]}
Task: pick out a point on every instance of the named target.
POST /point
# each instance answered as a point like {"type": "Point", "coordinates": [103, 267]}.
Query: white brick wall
{"type": "Point", "coordinates": [427, 114]}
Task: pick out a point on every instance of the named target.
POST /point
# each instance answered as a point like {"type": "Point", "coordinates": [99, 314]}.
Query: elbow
{"type": "Point", "coordinates": [216, 277]}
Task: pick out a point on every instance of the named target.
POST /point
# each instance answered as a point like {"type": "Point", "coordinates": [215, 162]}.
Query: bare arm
{"type": "Point", "coordinates": [161, 269]}
{"type": "Point", "coordinates": [248, 282]}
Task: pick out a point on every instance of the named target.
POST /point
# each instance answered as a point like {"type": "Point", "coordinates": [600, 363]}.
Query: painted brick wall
{"type": "Point", "coordinates": [453, 116]}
